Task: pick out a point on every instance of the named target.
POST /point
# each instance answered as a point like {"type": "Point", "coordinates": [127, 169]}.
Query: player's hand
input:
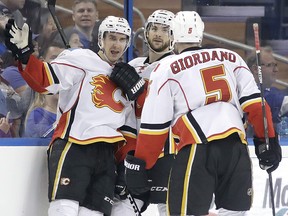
{"type": "Point", "coordinates": [120, 185]}
{"type": "Point", "coordinates": [126, 77]}
{"type": "Point", "coordinates": [136, 175]}
{"type": "Point", "coordinates": [269, 159]}
{"type": "Point", "coordinates": [19, 41]}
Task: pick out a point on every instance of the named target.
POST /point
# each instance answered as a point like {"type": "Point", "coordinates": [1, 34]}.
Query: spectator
{"type": "Point", "coordinates": [9, 9]}
{"type": "Point", "coordinates": [9, 99]}
{"type": "Point", "coordinates": [12, 7]}
{"type": "Point", "coordinates": [18, 108]}
{"type": "Point", "coordinates": [3, 20]}
{"type": "Point", "coordinates": [85, 15]}
{"type": "Point", "coordinates": [4, 118]}
{"type": "Point", "coordinates": [41, 115]}
{"type": "Point", "coordinates": [52, 51]}
{"type": "Point", "coordinates": [46, 29]}
{"type": "Point", "coordinates": [276, 98]}
{"type": "Point", "coordinates": [72, 36]}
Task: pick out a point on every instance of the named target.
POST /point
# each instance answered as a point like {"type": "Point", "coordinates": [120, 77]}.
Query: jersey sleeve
{"type": "Point", "coordinates": [51, 77]}
{"type": "Point", "coordinates": [156, 118]}
{"type": "Point", "coordinates": [250, 100]}
{"type": "Point", "coordinates": [253, 107]}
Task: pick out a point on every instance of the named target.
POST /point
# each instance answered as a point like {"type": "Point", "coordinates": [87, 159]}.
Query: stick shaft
{"type": "Point", "coordinates": [51, 8]}
{"type": "Point", "coordinates": [134, 204]}
{"type": "Point", "coordinates": [260, 76]}
{"type": "Point", "coordinates": [271, 193]}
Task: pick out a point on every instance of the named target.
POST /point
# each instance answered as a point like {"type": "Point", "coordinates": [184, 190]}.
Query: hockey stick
{"type": "Point", "coordinates": [133, 203]}
{"type": "Point", "coordinates": [260, 77]}
{"type": "Point", "coordinates": [51, 8]}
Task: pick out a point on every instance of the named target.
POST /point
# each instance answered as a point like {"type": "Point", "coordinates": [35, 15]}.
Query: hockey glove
{"type": "Point", "coordinates": [268, 159]}
{"type": "Point", "coordinates": [126, 77]}
{"type": "Point", "coordinates": [136, 175]}
{"type": "Point", "coordinates": [19, 41]}
{"type": "Point", "coordinates": [120, 185]}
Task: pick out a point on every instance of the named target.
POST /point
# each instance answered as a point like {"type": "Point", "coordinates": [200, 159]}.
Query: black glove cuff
{"type": "Point", "coordinates": [134, 163]}
{"type": "Point", "coordinates": [24, 57]}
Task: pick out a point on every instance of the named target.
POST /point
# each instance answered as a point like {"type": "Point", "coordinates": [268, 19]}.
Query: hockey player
{"type": "Point", "coordinates": [202, 94]}
{"type": "Point", "coordinates": [81, 159]}
{"type": "Point", "coordinates": [158, 37]}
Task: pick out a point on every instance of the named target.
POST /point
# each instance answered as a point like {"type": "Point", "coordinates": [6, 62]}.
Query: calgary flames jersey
{"type": "Point", "coordinates": [93, 108]}
{"type": "Point", "coordinates": [144, 69]}
{"type": "Point", "coordinates": [202, 94]}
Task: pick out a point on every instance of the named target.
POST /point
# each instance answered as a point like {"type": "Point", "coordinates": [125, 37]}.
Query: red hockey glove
{"type": "Point", "coordinates": [19, 41]}
{"type": "Point", "coordinates": [136, 175]}
{"type": "Point", "coordinates": [126, 77]}
{"type": "Point", "coordinates": [268, 158]}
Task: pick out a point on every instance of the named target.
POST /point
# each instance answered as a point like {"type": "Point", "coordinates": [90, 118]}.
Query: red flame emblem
{"type": "Point", "coordinates": [103, 94]}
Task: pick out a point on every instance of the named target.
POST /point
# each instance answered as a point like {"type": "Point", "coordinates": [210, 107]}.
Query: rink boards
{"type": "Point", "coordinates": [24, 185]}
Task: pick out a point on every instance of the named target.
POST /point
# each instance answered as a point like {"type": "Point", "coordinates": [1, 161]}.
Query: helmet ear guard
{"type": "Point", "coordinates": [114, 24]}
{"type": "Point", "coordinates": [163, 17]}
{"type": "Point", "coordinates": [188, 27]}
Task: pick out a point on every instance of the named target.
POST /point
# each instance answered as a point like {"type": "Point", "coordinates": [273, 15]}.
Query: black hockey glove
{"type": "Point", "coordinates": [19, 41]}
{"type": "Point", "coordinates": [120, 185]}
{"type": "Point", "coordinates": [126, 77]}
{"type": "Point", "coordinates": [136, 175]}
{"type": "Point", "coordinates": [268, 159]}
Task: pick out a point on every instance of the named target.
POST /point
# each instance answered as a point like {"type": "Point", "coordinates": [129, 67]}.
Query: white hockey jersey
{"type": "Point", "coordinates": [93, 108]}
{"type": "Point", "coordinates": [144, 69]}
{"type": "Point", "coordinates": [202, 94]}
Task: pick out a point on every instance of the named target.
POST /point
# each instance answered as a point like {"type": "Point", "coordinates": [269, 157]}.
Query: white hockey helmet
{"type": "Point", "coordinates": [188, 27]}
{"type": "Point", "coordinates": [163, 17]}
{"type": "Point", "coordinates": [114, 24]}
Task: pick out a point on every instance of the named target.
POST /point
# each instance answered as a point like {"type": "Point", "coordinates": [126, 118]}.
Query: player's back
{"type": "Point", "coordinates": [207, 83]}
{"type": "Point", "coordinates": [201, 77]}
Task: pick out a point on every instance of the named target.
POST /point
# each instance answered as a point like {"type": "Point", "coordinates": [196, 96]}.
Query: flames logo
{"type": "Point", "coordinates": [103, 94]}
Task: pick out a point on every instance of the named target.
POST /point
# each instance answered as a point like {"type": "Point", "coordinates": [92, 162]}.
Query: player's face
{"type": "Point", "coordinates": [158, 37]}
{"type": "Point", "coordinates": [114, 45]}
{"type": "Point", "coordinates": [85, 15]}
